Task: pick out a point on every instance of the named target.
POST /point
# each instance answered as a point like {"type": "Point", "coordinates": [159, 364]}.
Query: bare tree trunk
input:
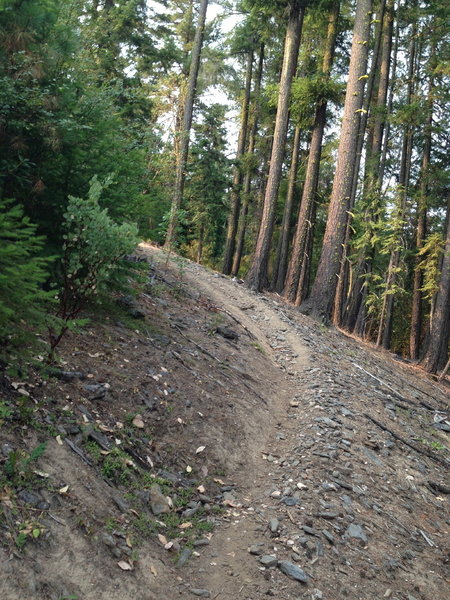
{"type": "Point", "coordinates": [233, 220]}
{"type": "Point", "coordinates": [246, 192]}
{"type": "Point", "coordinates": [373, 176]}
{"type": "Point", "coordinates": [257, 277]}
{"type": "Point", "coordinates": [306, 217]}
{"type": "Point", "coordinates": [416, 310]}
{"type": "Point", "coordinates": [186, 128]}
{"type": "Point", "coordinates": [387, 311]}
{"type": "Point", "coordinates": [436, 354]}
{"type": "Point", "coordinates": [321, 301]}
{"type": "Point", "coordinates": [281, 257]}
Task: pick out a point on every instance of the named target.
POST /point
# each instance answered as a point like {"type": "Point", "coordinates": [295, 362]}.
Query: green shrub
{"type": "Point", "coordinates": [23, 302]}
{"type": "Point", "coordinates": [93, 249]}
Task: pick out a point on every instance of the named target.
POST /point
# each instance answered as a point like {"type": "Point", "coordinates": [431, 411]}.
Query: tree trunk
{"type": "Point", "coordinates": [299, 261]}
{"type": "Point", "coordinates": [436, 354]}
{"type": "Point", "coordinates": [387, 311]}
{"type": "Point", "coordinates": [373, 175]}
{"type": "Point", "coordinates": [186, 127]}
{"type": "Point", "coordinates": [257, 277]}
{"type": "Point", "coordinates": [320, 303]}
{"type": "Point", "coordinates": [281, 257]}
{"type": "Point", "coordinates": [416, 310]}
{"type": "Point", "coordinates": [248, 175]}
{"type": "Point", "coordinates": [233, 220]}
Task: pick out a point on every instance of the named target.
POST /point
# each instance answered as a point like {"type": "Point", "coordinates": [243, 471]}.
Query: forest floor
{"type": "Point", "coordinates": [293, 461]}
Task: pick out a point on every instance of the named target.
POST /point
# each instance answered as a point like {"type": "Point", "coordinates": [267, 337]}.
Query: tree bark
{"type": "Point", "coordinates": [321, 300]}
{"type": "Point", "coordinates": [305, 223]}
{"type": "Point", "coordinates": [233, 220]}
{"type": "Point", "coordinates": [246, 192]}
{"type": "Point", "coordinates": [186, 127]}
{"type": "Point", "coordinates": [387, 310]}
{"type": "Point", "coordinates": [436, 354]}
{"type": "Point", "coordinates": [281, 257]}
{"type": "Point", "coordinates": [416, 309]}
{"type": "Point", "coordinates": [257, 277]}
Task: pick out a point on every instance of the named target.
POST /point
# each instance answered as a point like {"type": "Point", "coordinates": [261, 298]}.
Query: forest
{"type": "Point", "coordinates": [299, 145]}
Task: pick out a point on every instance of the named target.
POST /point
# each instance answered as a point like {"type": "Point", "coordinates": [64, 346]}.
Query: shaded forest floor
{"type": "Point", "coordinates": [287, 451]}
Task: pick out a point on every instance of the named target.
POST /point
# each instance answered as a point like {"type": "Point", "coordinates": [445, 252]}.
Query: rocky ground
{"type": "Point", "coordinates": [268, 457]}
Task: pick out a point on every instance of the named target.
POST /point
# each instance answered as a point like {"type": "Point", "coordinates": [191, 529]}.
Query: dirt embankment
{"type": "Point", "coordinates": [298, 463]}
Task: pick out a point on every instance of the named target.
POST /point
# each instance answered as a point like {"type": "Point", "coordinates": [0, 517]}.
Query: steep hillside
{"type": "Point", "coordinates": [208, 441]}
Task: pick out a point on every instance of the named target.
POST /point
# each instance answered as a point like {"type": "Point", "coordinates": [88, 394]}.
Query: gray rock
{"type": "Point", "coordinates": [121, 504]}
{"type": "Point", "coordinates": [7, 449]}
{"type": "Point", "coordinates": [85, 412]}
{"type": "Point", "coordinates": [201, 593]}
{"type": "Point", "coordinates": [268, 560]}
{"type": "Point", "coordinates": [356, 532]}
{"type": "Point", "coordinates": [274, 525]}
{"type": "Point", "coordinates": [158, 502]}
{"type": "Point", "coordinates": [292, 571]}
{"type": "Point", "coordinates": [310, 530]}
{"type": "Point", "coordinates": [201, 542]}
{"type": "Point", "coordinates": [184, 557]}
{"type": "Point", "coordinates": [108, 540]}
{"type": "Point", "coordinates": [329, 536]}
{"type": "Point", "coordinates": [33, 499]}
{"type": "Point", "coordinates": [256, 549]}
{"type": "Point", "coordinates": [96, 391]}
{"type": "Point", "coordinates": [99, 438]}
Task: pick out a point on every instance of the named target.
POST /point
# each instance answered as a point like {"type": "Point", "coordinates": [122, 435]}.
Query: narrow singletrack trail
{"type": "Point", "coordinates": [330, 491]}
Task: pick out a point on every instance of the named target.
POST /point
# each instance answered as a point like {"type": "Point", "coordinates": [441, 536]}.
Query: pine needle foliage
{"type": "Point", "coordinates": [23, 301]}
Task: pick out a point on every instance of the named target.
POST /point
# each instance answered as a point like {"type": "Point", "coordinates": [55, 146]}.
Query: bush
{"type": "Point", "coordinates": [23, 302]}
{"type": "Point", "coordinates": [93, 248]}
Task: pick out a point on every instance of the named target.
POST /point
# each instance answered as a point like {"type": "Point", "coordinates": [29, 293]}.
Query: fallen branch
{"type": "Point", "coordinates": [246, 329]}
{"type": "Point", "coordinates": [444, 372]}
{"type": "Point", "coordinates": [77, 450]}
{"type": "Point", "coordinates": [409, 444]}
{"type": "Point", "coordinates": [198, 346]}
{"type": "Point", "coordinates": [389, 387]}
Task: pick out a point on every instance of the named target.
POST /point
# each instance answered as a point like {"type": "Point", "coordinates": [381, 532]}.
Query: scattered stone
{"type": "Point", "coordinates": [256, 549]}
{"type": "Point", "coordinates": [184, 557]}
{"type": "Point", "coordinates": [33, 499]}
{"type": "Point", "coordinates": [329, 536]}
{"type": "Point", "coordinates": [201, 542]}
{"type": "Point", "coordinates": [96, 391]}
{"type": "Point", "coordinates": [121, 504]}
{"type": "Point", "coordinates": [68, 376]}
{"type": "Point", "coordinates": [310, 530]}
{"type": "Point", "coordinates": [158, 502]}
{"type": "Point", "coordinates": [108, 540]}
{"type": "Point", "coordinates": [98, 437]}
{"type": "Point", "coordinates": [292, 571]}
{"type": "Point", "coordinates": [356, 532]}
{"type": "Point", "coordinates": [268, 560]}
{"type": "Point", "coordinates": [7, 449]}
{"type": "Point", "coordinates": [200, 592]}
{"type": "Point", "coordinates": [274, 525]}
{"type": "Point", "coordinates": [227, 333]}
{"type": "Point", "coordinates": [316, 595]}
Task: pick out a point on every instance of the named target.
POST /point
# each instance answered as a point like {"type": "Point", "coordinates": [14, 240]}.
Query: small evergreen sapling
{"type": "Point", "coordinates": [23, 302]}
{"type": "Point", "coordinates": [92, 251]}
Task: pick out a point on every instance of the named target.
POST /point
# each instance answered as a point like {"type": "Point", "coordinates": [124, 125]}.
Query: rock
{"type": "Point", "coordinates": [292, 571]}
{"type": "Point", "coordinates": [310, 530]}
{"type": "Point", "coordinates": [7, 449]}
{"type": "Point", "coordinates": [184, 557]}
{"type": "Point", "coordinates": [290, 501]}
{"type": "Point", "coordinates": [316, 594]}
{"type": "Point", "coordinates": [356, 532]}
{"type": "Point", "coordinates": [68, 376]}
{"type": "Point", "coordinates": [256, 549]}
{"type": "Point", "coordinates": [136, 313]}
{"type": "Point", "coordinates": [121, 504]}
{"type": "Point", "coordinates": [274, 525]}
{"type": "Point", "coordinates": [108, 540]}
{"type": "Point", "coordinates": [96, 391]}
{"type": "Point", "coordinates": [201, 542]}
{"type": "Point", "coordinates": [98, 437]}
{"type": "Point", "coordinates": [158, 502]}
{"type": "Point", "coordinates": [85, 412]}
{"type": "Point", "coordinates": [33, 499]}
{"type": "Point", "coordinates": [329, 536]}
{"type": "Point", "coordinates": [201, 593]}
{"type": "Point", "coordinates": [268, 560]}
{"type": "Point", "coordinates": [227, 333]}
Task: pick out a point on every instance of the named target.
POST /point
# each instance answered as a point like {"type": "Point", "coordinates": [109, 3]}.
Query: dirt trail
{"type": "Point", "coordinates": [362, 513]}
{"type": "Point", "coordinates": [295, 462]}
